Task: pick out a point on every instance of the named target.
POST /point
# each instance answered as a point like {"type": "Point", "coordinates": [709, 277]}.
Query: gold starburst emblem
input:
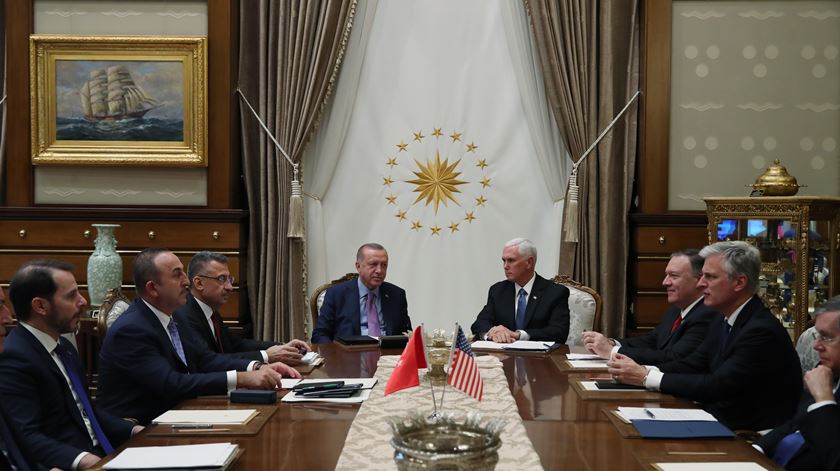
{"type": "Point", "coordinates": [437, 181]}
{"type": "Point", "coordinates": [451, 180]}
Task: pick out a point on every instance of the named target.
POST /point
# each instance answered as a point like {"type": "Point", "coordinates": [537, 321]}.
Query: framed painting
{"type": "Point", "coordinates": [118, 100]}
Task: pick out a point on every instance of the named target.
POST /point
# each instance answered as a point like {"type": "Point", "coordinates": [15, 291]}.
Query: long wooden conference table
{"type": "Point", "coordinates": [568, 431]}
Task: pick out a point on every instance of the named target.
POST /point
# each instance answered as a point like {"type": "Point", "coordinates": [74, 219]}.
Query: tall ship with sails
{"type": "Point", "coordinates": [112, 95]}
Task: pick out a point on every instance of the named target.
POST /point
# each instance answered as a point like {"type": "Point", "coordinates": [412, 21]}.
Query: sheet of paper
{"type": "Point", "coordinates": [206, 416]}
{"type": "Point", "coordinates": [704, 466]}
{"type": "Point", "coordinates": [289, 383]}
{"type": "Point", "coordinates": [363, 396]}
{"type": "Point", "coordinates": [591, 386]}
{"type": "Point", "coordinates": [178, 456]}
{"type": "Point", "coordinates": [587, 363]}
{"type": "Point", "coordinates": [583, 356]}
{"type": "Point", "coordinates": [518, 345]}
{"type": "Point", "coordinates": [659, 413]}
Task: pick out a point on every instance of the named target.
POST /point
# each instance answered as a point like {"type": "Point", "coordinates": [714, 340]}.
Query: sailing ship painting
{"type": "Point", "coordinates": [119, 101]}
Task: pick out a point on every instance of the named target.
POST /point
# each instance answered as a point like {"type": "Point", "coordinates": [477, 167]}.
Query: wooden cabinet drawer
{"type": "Point", "coordinates": [130, 234]}
{"type": "Point", "coordinates": [649, 274]}
{"type": "Point", "coordinates": [650, 308]}
{"type": "Point", "coordinates": [666, 240]}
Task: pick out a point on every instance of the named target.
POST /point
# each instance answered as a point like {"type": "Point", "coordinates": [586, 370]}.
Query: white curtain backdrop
{"type": "Point", "coordinates": [423, 83]}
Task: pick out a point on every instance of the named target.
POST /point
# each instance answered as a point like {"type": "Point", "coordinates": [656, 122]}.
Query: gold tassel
{"type": "Point", "coordinates": [295, 208]}
{"type": "Point", "coordinates": [570, 222]}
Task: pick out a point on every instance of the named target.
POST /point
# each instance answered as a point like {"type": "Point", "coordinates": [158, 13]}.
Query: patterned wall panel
{"type": "Point", "coordinates": [753, 81]}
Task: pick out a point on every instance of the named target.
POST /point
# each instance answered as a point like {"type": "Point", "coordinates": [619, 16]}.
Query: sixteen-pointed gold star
{"type": "Point", "coordinates": [416, 226]}
{"type": "Point", "coordinates": [471, 147]}
{"type": "Point", "coordinates": [469, 217]}
{"type": "Point", "coordinates": [437, 181]}
{"type": "Point", "coordinates": [392, 161]}
{"type": "Point", "coordinates": [437, 132]}
{"type": "Point", "coordinates": [418, 136]}
{"type": "Point", "coordinates": [456, 136]}
{"type": "Point", "coordinates": [485, 182]}
{"type": "Point", "coordinates": [400, 215]}
{"type": "Point", "coordinates": [435, 230]}
{"type": "Point", "coordinates": [402, 145]}
{"type": "Point", "coordinates": [453, 227]}
{"type": "Point", "coordinates": [480, 200]}
{"type": "Point", "coordinates": [481, 163]}
{"type": "Point", "coordinates": [387, 181]}
{"type": "Point", "coordinates": [391, 199]}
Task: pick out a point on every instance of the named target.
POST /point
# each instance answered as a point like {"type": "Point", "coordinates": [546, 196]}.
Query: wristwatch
{"type": "Point", "coordinates": [258, 365]}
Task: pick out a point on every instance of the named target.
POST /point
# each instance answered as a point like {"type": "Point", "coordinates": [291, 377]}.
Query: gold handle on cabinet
{"type": "Point", "coordinates": [216, 235]}
{"type": "Point", "coordinates": [151, 235]}
{"type": "Point", "coordinates": [661, 240]}
{"type": "Point", "coordinates": [22, 234]}
{"type": "Point", "coordinates": [86, 234]}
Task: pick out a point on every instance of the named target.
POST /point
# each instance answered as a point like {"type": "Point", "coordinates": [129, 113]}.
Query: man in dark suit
{"type": "Point", "coordinates": [12, 449]}
{"type": "Point", "coordinates": [808, 442]}
{"type": "Point", "coordinates": [525, 306]}
{"type": "Point", "coordinates": [746, 373]}
{"type": "Point", "coordinates": [683, 327]}
{"type": "Point", "coordinates": [210, 286]}
{"type": "Point", "coordinates": [44, 395]}
{"type": "Point", "coordinates": [148, 363]}
{"type": "Point", "coordinates": [367, 305]}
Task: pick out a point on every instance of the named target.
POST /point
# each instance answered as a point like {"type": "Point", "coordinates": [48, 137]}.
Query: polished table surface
{"type": "Point", "coordinates": [568, 432]}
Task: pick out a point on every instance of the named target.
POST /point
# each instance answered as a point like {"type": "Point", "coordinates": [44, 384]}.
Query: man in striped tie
{"type": "Point", "coordinates": [809, 441]}
{"type": "Point", "coordinates": [44, 394]}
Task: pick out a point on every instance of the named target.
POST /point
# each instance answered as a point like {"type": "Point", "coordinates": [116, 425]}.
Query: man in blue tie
{"type": "Point", "coordinates": [809, 440]}
{"type": "Point", "coordinates": [43, 390]}
{"type": "Point", "coordinates": [746, 372]}
{"type": "Point", "coordinates": [367, 305]}
{"type": "Point", "coordinates": [525, 306]}
{"type": "Point", "coordinates": [148, 363]}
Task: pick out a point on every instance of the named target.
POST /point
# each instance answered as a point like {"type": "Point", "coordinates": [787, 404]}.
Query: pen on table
{"type": "Point", "coordinates": [649, 413]}
{"type": "Point", "coordinates": [202, 430]}
{"type": "Point", "coordinates": [192, 426]}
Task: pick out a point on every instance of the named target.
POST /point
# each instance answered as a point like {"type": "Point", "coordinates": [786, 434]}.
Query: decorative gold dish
{"type": "Point", "coordinates": [776, 181]}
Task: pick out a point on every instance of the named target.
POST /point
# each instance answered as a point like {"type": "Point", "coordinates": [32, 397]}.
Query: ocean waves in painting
{"type": "Point", "coordinates": [135, 129]}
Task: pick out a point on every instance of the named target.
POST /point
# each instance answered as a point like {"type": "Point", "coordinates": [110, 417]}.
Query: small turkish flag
{"type": "Point", "coordinates": [412, 358]}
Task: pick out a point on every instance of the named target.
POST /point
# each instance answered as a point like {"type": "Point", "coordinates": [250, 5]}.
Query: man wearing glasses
{"type": "Point", "coordinates": [210, 286]}
{"type": "Point", "coordinates": [809, 440]}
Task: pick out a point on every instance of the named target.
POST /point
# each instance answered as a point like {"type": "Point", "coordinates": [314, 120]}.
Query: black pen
{"type": "Point", "coordinates": [191, 426]}
{"type": "Point", "coordinates": [649, 413]}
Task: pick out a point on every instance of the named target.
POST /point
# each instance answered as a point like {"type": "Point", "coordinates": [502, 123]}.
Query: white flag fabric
{"type": "Point", "coordinates": [435, 158]}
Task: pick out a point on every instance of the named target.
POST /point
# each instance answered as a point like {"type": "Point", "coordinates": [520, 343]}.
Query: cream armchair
{"type": "Point", "coordinates": [584, 308]}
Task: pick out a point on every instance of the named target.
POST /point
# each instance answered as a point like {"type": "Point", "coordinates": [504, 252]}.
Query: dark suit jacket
{"type": "Point", "coordinates": [820, 429]}
{"type": "Point", "coordinates": [38, 402]}
{"type": "Point", "coordinates": [14, 446]}
{"type": "Point", "coordinates": [140, 374]}
{"type": "Point", "coordinates": [191, 315]}
{"type": "Point", "coordinates": [546, 317]}
{"type": "Point", "coordinates": [660, 345]}
{"type": "Point", "coordinates": [752, 384]}
{"type": "Point", "coordinates": [340, 314]}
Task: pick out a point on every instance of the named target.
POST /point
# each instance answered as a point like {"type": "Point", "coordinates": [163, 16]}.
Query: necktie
{"type": "Point", "coordinates": [520, 309]}
{"type": "Point", "coordinates": [217, 329]}
{"type": "Point", "coordinates": [71, 366]}
{"type": "Point", "coordinates": [725, 339]}
{"type": "Point", "coordinates": [677, 322]}
{"type": "Point", "coordinates": [372, 316]}
{"type": "Point", "coordinates": [176, 340]}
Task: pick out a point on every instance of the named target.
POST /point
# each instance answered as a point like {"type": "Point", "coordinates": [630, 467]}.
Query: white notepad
{"type": "Point", "coordinates": [208, 456]}
{"type": "Point", "coordinates": [705, 466]}
{"type": "Point", "coordinates": [206, 416]}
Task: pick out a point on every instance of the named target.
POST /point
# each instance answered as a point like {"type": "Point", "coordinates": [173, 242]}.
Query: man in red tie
{"type": "Point", "coordinates": [809, 441]}
{"type": "Point", "coordinates": [210, 287]}
{"type": "Point", "coordinates": [683, 326]}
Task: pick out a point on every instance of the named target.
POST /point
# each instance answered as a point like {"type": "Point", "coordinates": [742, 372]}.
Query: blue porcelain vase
{"type": "Point", "coordinates": [104, 270]}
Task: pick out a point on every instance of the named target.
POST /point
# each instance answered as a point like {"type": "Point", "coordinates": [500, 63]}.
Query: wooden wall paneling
{"type": "Point", "coordinates": [223, 182]}
{"type": "Point", "coordinates": [655, 106]}
{"type": "Point", "coordinates": [18, 178]}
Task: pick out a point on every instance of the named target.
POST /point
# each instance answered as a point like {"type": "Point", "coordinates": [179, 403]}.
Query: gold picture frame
{"type": "Point", "coordinates": [118, 100]}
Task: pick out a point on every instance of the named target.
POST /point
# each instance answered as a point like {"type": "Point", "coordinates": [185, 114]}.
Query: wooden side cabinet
{"type": "Point", "coordinates": [799, 240]}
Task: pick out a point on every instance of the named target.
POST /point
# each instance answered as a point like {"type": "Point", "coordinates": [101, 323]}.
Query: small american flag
{"type": "Point", "coordinates": [463, 372]}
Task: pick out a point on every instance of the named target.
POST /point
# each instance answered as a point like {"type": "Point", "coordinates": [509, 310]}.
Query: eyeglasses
{"type": "Point", "coordinates": [825, 340]}
{"type": "Point", "coordinates": [222, 279]}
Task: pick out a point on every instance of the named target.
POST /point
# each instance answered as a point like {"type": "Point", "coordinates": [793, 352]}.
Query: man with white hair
{"type": "Point", "coordinates": [525, 306]}
{"type": "Point", "coordinates": [746, 373]}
